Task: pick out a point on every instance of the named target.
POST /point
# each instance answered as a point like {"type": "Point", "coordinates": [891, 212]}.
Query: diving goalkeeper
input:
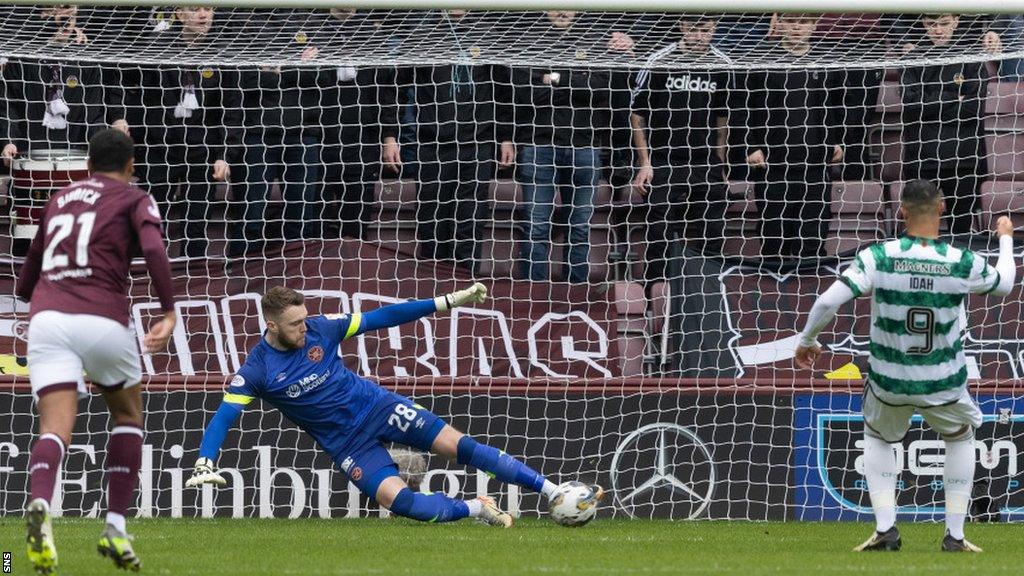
{"type": "Point", "coordinates": [917, 284]}
{"type": "Point", "coordinates": [296, 369]}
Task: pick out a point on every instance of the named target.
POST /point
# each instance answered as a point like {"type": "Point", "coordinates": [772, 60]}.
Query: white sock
{"type": "Point", "coordinates": [881, 473]}
{"type": "Point", "coordinates": [475, 506]}
{"type": "Point", "coordinates": [117, 521]}
{"type": "Point", "coordinates": [958, 479]}
{"type": "Point", "coordinates": [548, 489]}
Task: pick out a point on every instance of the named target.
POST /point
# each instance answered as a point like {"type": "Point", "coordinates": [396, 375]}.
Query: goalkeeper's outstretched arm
{"type": "Point", "coordinates": [398, 314]}
{"type": "Point", "coordinates": [204, 471]}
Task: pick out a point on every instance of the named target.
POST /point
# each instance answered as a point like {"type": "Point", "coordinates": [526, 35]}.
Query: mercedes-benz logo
{"type": "Point", "coordinates": [663, 465]}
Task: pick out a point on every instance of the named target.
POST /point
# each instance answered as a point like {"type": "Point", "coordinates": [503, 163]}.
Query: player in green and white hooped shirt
{"type": "Point", "coordinates": [917, 285]}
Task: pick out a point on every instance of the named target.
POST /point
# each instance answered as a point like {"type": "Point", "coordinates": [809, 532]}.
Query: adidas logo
{"type": "Point", "coordinates": [690, 84]}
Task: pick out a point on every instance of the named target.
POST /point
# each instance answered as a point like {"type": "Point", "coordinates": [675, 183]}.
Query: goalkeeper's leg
{"type": "Point", "coordinates": [396, 496]}
{"type": "Point", "coordinates": [372, 470]}
{"type": "Point", "coordinates": [413, 425]}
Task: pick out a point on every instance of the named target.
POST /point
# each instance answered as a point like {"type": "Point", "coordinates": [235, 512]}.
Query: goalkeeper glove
{"type": "Point", "coordinates": [203, 473]}
{"type": "Point", "coordinates": [475, 294]}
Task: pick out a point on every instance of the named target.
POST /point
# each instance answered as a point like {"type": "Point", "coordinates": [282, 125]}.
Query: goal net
{"type": "Point", "coordinates": [653, 200]}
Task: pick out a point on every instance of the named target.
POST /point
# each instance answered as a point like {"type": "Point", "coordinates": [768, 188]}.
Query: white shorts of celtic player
{"type": "Point", "coordinates": [890, 423]}
{"type": "Point", "coordinates": [63, 346]}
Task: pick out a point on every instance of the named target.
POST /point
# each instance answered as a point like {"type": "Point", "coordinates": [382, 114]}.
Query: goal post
{"type": "Point", "coordinates": [653, 193]}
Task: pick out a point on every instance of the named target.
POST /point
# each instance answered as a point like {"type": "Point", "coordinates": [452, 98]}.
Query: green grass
{"type": "Point", "coordinates": [373, 546]}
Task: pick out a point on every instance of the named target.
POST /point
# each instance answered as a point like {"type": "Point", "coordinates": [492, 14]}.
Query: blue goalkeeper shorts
{"type": "Point", "coordinates": [366, 461]}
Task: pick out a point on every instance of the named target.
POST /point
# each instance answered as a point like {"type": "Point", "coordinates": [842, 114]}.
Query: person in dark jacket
{"type": "Point", "coordinates": [281, 142]}
{"type": "Point", "coordinates": [560, 115]}
{"type": "Point", "coordinates": [788, 120]}
{"type": "Point", "coordinates": [679, 122]}
{"type": "Point", "coordinates": [943, 135]}
{"type": "Point", "coordinates": [461, 114]}
{"type": "Point", "coordinates": [192, 114]}
{"type": "Point", "coordinates": [58, 104]}
{"type": "Point", "coordinates": [350, 120]}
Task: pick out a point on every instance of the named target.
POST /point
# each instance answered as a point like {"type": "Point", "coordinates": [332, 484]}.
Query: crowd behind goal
{"type": "Point", "coordinates": [737, 161]}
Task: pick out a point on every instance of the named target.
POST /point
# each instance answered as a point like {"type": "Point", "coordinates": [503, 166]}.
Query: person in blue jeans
{"type": "Point", "coordinates": [294, 161]}
{"type": "Point", "coordinates": [560, 116]}
{"type": "Point", "coordinates": [281, 143]}
{"type": "Point", "coordinates": [573, 172]}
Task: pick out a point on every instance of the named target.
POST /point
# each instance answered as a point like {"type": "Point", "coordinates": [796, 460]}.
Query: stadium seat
{"type": "Point", "coordinates": [395, 195]}
{"type": "Point", "coordinates": [631, 306]}
{"type": "Point", "coordinates": [1005, 99]}
{"type": "Point", "coordinates": [1001, 197]}
{"type": "Point", "coordinates": [741, 236]}
{"type": "Point", "coordinates": [888, 148]}
{"type": "Point", "coordinates": [890, 103]}
{"type": "Point", "coordinates": [506, 195]}
{"type": "Point", "coordinates": [498, 250]}
{"type": "Point", "coordinates": [393, 215]}
{"type": "Point", "coordinates": [860, 200]}
{"type": "Point", "coordinates": [1006, 155]}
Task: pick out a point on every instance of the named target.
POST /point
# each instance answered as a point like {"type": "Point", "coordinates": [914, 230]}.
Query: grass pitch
{"type": "Point", "coordinates": [222, 547]}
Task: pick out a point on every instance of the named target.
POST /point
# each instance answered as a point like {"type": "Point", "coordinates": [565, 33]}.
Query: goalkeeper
{"type": "Point", "coordinates": [296, 369]}
{"type": "Point", "coordinates": [917, 284]}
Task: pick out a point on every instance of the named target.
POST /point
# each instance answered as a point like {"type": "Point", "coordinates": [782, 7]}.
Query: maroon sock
{"type": "Point", "coordinates": [43, 464]}
{"type": "Point", "coordinates": [124, 456]}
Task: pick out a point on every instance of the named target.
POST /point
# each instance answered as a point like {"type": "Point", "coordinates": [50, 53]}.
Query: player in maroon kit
{"type": "Point", "coordinates": [76, 277]}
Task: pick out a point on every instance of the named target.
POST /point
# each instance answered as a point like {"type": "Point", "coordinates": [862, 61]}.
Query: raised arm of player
{"type": "Point", "coordinates": [398, 314]}
{"type": "Point", "coordinates": [997, 281]}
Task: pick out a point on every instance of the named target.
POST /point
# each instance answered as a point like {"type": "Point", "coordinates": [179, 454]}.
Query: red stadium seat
{"type": "Point", "coordinates": [1005, 99]}
{"type": "Point", "coordinates": [888, 148]}
{"type": "Point", "coordinates": [506, 194]}
{"type": "Point", "coordinates": [1001, 197]}
{"type": "Point", "coordinates": [859, 216]}
{"type": "Point", "coordinates": [498, 251]}
{"type": "Point", "coordinates": [1006, 155]}
{"type": "Point", "coordinates": [890, 103]}
{"type": "Point", "coordinates": [631, 305]}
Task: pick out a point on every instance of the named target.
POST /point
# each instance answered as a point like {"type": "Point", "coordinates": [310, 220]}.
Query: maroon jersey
{"type": "Point", "coordinates": [79, 260]}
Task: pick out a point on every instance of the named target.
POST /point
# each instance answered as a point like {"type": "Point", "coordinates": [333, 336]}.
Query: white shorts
{"type": "Point", "coordinates": [890, 423]}
{"type": "Point", "coordinates": [63, 346]}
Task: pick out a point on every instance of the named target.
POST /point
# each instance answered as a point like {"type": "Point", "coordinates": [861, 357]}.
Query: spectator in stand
{"type": "Point", "coordinates": [461, 115]}
{"type": "Point", "coordinates": [787, 119]}
{"type": "Point", "coordinates": [1012, 69]}
{"type": "Point", "coordinates": [192, 119]}
{"type": "Point", "coordinates": [679, 123]}
{"type": "Point", "coordinates": [558, 114]}
{"type": "Point", "coordinates": [855, 37]}
{"type": "Point", "coordinates": [943, 107]}
{"type": "Point", "coordinates": [740, 34]}
{"type": "Point", "coordinates": [350, 118]}
{"type": "Point", "coordinates": [281, 142]}
{"type": "Point", "coordinates": [58, 104]}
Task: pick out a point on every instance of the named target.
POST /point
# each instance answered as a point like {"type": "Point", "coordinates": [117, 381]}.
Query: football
{"type": "Point", "coordinates": [574, 504]}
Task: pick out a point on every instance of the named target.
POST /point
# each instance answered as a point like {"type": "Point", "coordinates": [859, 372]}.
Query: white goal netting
{"type": "Point", "coordinates": [653, 199]}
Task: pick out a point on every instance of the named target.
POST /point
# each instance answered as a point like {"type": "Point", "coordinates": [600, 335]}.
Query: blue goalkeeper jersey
{"type": "Point", "coordinates": [310, 386]}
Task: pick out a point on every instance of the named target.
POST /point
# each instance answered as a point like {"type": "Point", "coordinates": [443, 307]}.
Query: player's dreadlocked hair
{"type": "Point", "coordinates": [920, 196]}
{"type": "Point", "coordinates": [278, 298]}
